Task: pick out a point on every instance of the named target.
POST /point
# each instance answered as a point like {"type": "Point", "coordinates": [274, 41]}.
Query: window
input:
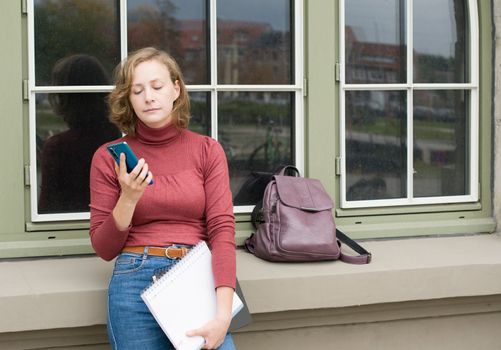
{"type": "Point", "coordinates": [409, 102]}
{"type": "Point", "coordinates": [242, 62]}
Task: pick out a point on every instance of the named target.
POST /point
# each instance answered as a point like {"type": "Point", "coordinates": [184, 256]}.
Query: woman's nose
{"type": "Point", "coordinates": [148, 95]}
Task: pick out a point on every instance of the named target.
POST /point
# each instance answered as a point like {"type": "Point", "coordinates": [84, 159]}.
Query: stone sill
{"type": "Point", "coordinates": [53, 293]}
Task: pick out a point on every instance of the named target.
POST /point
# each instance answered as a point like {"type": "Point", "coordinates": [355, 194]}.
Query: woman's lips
{"type": "Point", "coordinates": [151, 110]}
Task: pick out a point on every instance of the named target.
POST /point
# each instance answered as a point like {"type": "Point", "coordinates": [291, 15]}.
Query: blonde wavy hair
{"type": "Point", "coordinates": [122, 114]}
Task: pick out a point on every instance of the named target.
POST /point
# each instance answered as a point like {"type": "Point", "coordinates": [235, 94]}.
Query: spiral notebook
{"type": "Point", "coordinates": [184, 298]}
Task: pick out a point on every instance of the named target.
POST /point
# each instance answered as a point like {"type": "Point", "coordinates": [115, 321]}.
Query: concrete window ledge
{"type": "Point", "coordinates": [54, 293]}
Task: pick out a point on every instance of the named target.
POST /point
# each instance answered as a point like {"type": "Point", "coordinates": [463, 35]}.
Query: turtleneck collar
{"type": "Point", "coordinates": [154, 136]}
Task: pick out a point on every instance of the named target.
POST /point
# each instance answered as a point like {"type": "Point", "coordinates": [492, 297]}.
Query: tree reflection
{"type": "Point", "coordinates": [68, 27]}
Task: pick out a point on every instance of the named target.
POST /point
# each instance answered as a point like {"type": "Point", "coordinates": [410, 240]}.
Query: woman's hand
{"type": "Point", "coordinates": [132, 187]}
{"type": "Point", "coordinates": [134, 183]}
{"type": "Point", "coordinates": [213, 332]}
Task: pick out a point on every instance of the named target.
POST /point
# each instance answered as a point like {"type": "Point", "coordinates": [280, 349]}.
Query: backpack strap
{"type": "Point", "coordinates": [291, 170]}
{"type": "Point", "coordinates": [257, 214]}
{"type": "Point", "coordinates": [364, 258]}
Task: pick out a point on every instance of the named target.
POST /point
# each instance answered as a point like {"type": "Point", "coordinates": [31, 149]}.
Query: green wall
{"type": "Point", "coordinates": [19, 237]}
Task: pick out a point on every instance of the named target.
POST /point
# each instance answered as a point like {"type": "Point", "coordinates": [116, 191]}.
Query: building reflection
{"type": "Point", "coordinates": [376, 124]}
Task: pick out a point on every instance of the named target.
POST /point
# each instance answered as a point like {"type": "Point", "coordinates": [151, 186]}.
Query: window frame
{"type": "Point", "coordinates": [213, 88]}
{"type": "Point", "coordinates": [409, 87]}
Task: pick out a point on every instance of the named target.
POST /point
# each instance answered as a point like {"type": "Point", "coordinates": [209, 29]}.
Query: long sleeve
{"type": "Point", "coordinates": [219, 216]}
{"type": "Point", "coordinates": [106, 239]}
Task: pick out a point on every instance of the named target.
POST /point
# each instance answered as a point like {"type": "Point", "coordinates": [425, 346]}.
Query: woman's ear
{"type": "Point", "coordinates": [177, 87]}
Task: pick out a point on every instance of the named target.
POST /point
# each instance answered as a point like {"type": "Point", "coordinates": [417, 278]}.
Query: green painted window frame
{"type": "Point", "coordinates": [321, 47]}
{"type": "Point", "coordinates": [323, 141]}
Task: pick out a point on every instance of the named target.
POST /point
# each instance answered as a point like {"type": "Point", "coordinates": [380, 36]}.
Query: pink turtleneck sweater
{"type": "Point", "coordinates": [189, 201]}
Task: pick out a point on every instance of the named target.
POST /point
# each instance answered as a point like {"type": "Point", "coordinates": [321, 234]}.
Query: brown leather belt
{"type": "Point", "coordinates": [169, 252]}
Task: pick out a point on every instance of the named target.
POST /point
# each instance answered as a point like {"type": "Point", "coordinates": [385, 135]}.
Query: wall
{"type": "Point", "coordinates": [417, 294]}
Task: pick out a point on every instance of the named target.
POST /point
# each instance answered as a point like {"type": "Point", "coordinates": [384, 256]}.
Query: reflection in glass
{"type": "Point", "coordinates": [440, 143]}
{"type": "Point", "coordinates": [69, 129]}
{"type": "Point", "coordinates": [177, 26]}
{"type": "Point", "coordinates": [67, 27]}
{"type": "Point", "coordinates": [375, 145]}
{"type": "Point", "coordinates": [256, 132]}
{"type": "Point", "coordinates": [375, 42]}
{"type": "Point", "coordinates": [254, 42]}
{"type": "Point", "coordinates": [200, 112]}
{"type": "Point", "coordinates": [440, 58]}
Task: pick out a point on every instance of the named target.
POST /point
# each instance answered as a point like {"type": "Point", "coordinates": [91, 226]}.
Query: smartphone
{"type": "Point", "coordinates": [130, 158]}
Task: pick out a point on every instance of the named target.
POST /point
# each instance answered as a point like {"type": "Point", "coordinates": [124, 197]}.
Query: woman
{"type": "Point", "coordinates": [150, 226]}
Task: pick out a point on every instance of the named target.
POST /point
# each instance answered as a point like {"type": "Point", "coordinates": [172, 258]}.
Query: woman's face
{"type": "Point", "coordinates": [153, 94]}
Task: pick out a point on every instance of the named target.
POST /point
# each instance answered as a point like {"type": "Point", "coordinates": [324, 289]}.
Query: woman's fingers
{"type": "Point", "coordinates": [137, 177]}
{"type": "Point", "coordinates": [144, 173]}
{"type": "Point", "coordinates": [122, 169]}
{"type": "Point", "coordinates": [137, 169]}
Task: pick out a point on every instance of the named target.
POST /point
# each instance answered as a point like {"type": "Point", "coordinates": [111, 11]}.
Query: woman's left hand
{"type": "Point", "coordinates": [213, 332]}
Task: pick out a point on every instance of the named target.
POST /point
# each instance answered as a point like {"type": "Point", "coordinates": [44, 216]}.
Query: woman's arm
{"type": "Point", "coordinates": [112, 203]}
{"type": "Point", "coordinates": [221, 237]}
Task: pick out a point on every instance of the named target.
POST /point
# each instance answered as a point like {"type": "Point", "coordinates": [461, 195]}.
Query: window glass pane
{"type": "Point", "coordinates": [375, 145]}
{"type": "Point", "coordinates": [200, 112]}
{"type": "Point", "coordinates": [256, 131]}
{"type": "Point", "coordinates": [176, 26]}
{"type": "Point", "coordinates": [440, 47]}
{"type": "Point", "coordinates": [375, 47]}
{"type": "Point", "coordinates": [254, 41]}
{"type": "Point", "coordinates": [441, 143]}
{"type": "Point", "coordinates": [69, 128]}
{"type": "Point", "coordinates": [65, 28]}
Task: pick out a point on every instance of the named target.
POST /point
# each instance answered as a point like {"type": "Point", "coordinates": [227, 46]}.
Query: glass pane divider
{"type": "Point", "coordinates": [213, 68]}
{"type": "Point", "coordinates": [123, 29]}
{"type": "Point", "coordinates": [72, 89]}
{"type": "Point", "coordinates": [298, 44]}
{"type": "Point", "coordinates": [410, 145]}
{"type": "Point", "coordinates": [257, 87]}
{"type": "Point", "coordinates": [415, 86]}
{"type": "Point", "coordinates": [420, 86]}
{"type": "Point", "coordinates": [341, 47]}
{"type": "Point", "coordinates": [375, 86]}
{"type": "Point", "coordinates": [409, 201]}
{"type": "Point", "coordinates": [474, 41]}
{"type": "Point", "coordinates": [342, 87]}
{"type": "Point", "coordinates": [409, 30]}
{"type": "Point", "coordinates": [32, 110]}
{"type": "Point", "coordinates": [60, 217]}
{"type": "Point", "coordinates": [474, 143]}
{"type": "Point", "coordinates": [298, 127]}
{"type": "Point", "coordinates": [213, 114]}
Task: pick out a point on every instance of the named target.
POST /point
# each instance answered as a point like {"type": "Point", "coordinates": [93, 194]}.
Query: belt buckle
{"type": "Point", "coordinates": [167, 254]}
{"type": "Point", "coordinates": [183, 250]}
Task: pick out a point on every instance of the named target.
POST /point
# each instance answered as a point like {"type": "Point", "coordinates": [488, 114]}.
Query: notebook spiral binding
{"type": "Point", "coordinates": [174, 270]}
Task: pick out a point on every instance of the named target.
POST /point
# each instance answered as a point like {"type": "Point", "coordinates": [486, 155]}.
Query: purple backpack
{"type": "Point", "coordinates": [294, 223]}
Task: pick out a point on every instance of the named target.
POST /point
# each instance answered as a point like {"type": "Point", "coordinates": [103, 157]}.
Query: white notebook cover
{"type": "Point", "coordinates": [184, 298]}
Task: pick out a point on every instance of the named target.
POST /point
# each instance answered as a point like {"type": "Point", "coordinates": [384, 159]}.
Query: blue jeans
{"type": "Point", "coordinates": [130, 324]}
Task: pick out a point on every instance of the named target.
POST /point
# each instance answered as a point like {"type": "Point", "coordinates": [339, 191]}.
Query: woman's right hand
{"type": "Point", "coordinates": [132, 187]}
{"type": "Point", "coordinates": [134, 183]}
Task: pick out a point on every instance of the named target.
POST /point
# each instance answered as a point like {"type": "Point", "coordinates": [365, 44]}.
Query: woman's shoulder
{"type": "Point", "coordinates": [208, 147]}
{"type": "Point", "coordinates": [203, 141]}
